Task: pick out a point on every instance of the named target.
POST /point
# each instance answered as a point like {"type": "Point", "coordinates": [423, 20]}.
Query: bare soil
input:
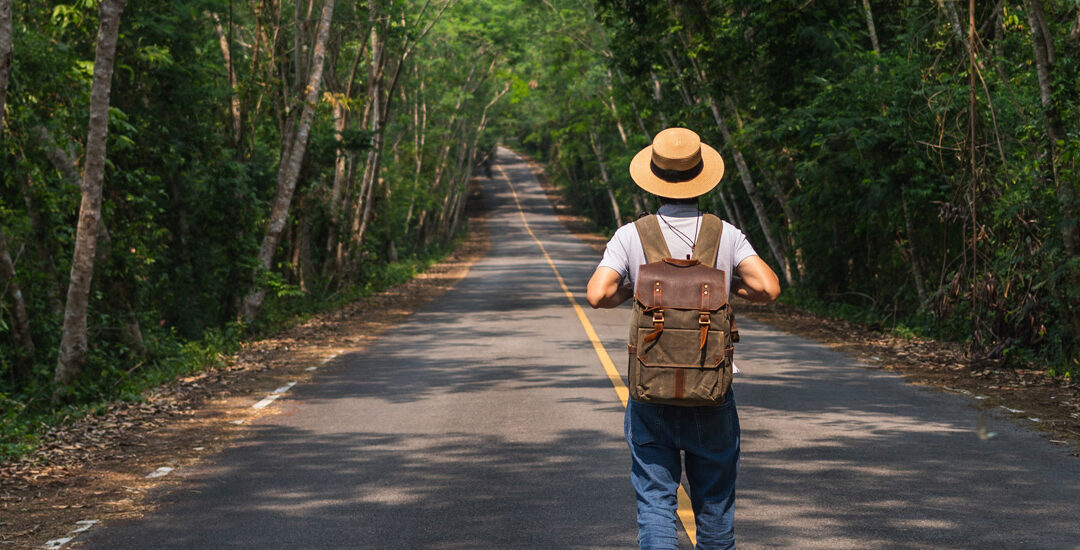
{"type": "Point", "coordinates": [1032, 397]}
{"type": "Point", "coordinates": [97, 467]}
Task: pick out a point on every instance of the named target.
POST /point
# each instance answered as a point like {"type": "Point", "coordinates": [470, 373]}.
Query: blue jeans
{"type": "Point", "coordinates": [657, 435]}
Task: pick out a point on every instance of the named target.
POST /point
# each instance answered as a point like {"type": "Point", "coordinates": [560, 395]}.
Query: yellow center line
{"type": "Point", "coordinates": [685, 511]}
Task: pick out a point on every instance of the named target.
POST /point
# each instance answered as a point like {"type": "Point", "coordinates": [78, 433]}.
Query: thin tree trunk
{"type": "Point", "coordinates": [289, 168]}
{"type": "Point", "coordinates": [24, 355]}
{"type": "Point", "coordinates": [44, 250]}
{"type": "Point", "coordinates": [341, 164]}
{"type": "Point", "coordinates": [954, 19]}
{"type": "Point", "coordinates": [607, 181]}
{"type": "Point", "coordinates": [872, 30]}
{"type": "Point", "coordinates": [658, 97]}
{"type": "Point", "coordinates": [730, 199]}
{"type": "Point", "coordinates": [234, 103]}
{"type": "Point", "coordinates": [419, 138]}
{"type": "Point", "coordinates": [752, 192]}
{"type": "Point", "coordinates": [73, 341]}
{"type": "Point", "coordinates": [1044, 59]}
{"type": "Point", "coordinates": [789, 221]}
{"type": "Point", "coordinates": [371, 167]}
{"type": "Point", "coordinates": [381, 105]}
{"type": "Point", "coordinates": [20, 321]}
{"type": "Point", "coordinates": [471, 160]}
{"type": "Point", "coordinates": [1074, 33]}
{"type": "Point", "coordinates": [5, 57]}
{"type": "Point", "coordinates": [728, 213]}
{"type": "Point", "coordinates": [634, 108]}
{"type": "Point", "coordinates": [916, 262]}
{"type": "Point", "coordinates": [610, 103]}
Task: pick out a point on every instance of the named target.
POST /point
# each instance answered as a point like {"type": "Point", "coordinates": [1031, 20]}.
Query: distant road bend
{"type": "Point", "coordinates": [488, 420]}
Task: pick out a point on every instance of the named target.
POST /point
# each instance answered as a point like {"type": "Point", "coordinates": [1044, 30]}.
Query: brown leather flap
{"type": "Point", "coordinates": [667, 285]}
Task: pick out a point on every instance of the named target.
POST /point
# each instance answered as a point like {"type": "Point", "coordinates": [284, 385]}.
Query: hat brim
{"type": "Point", "coordinates": [711, 174]}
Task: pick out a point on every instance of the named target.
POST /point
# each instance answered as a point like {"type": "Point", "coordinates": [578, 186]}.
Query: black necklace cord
{"type": "Point", "coordinates": [686, 239]}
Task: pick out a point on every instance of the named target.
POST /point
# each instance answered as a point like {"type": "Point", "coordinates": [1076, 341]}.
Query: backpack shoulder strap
{"type": "Point", "coordinates": [652, 239]}
{"type": "Point", "coordinates": [708, 240]}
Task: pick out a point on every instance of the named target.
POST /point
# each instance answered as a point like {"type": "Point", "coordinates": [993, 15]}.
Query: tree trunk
{"type": "Point", "coordinates": [755, 200]}
{"type": "Point", "coordinates": [728, 213]}
{"type": "Point", "coordinates": [913, 250]}
{"type": "Point", "coordinates": [872, 30]}
{"type": "Point", "coordinates": [24, 355]}
{"type": "Point", "coordinates": [5, 57]}
{"type": "Point", "coordinates": [373, 104]}
{"type": "Point", "coordinates": [471, 160]}
{"type": "Point", "coordinates": [381, 105]}
{"type": "Point", "coordinates": [43, 249]}
{"type": "Point", "coordinates": [790, 221]}
{"type": "Point", "coordinates": [954, 19]}
{"type": "Point", "coordinates": [234, 103]}
{"type": "Point", "coordinates": [419, 138]}
{"type": "Point", "coordinates": [752, 192]}
{"type": "Point", "coordinates": [342, 164]}
{"type": "Point", "coordinates": [73, 344]}
{"type": "Point", "coordinates": [20, 321]}
{"type": "Point", "coordinates": [607, 181]}
{"type": "Point", "coordinates": [1044, 59]}
{"type": "Point", "coordinates": [658, 97]}
{"type": "Point", "coordinates": [610, 103]}
{"type": "Point", "coordinates": [289, 168]}
{"type": "Point", "coordinates": [1074, 33]}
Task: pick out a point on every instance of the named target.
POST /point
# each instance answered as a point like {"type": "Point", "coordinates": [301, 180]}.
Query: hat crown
{"type": "Point", "coordinates": [676, 149]}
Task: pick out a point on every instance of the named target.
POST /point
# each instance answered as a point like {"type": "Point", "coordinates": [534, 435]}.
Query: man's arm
{"type": "Point", "coordinates": [754, 280]}
{"type": "Point", "coordinates": [604, 289]}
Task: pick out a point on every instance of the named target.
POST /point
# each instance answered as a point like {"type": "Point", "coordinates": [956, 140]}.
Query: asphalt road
{"type": "Point", "coordinates": [486, 420]}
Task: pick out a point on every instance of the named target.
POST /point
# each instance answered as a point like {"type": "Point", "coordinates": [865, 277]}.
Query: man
{"type": "Point", "coordinates": [679, 169]}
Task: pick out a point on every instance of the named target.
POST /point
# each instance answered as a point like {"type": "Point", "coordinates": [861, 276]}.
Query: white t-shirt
{"type": "Point", "coordinates": [625, 252]}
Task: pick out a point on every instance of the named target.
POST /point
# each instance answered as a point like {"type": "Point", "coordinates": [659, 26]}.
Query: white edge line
{"type": "Point", "coordinates": [54, 544]}
{"type": "Point", "coordinates": [284, 388]}
{"type": "Point", "coordinates": [309, 369]}
{"type": "Point", "coordinates": [160, 472]}
{"type": "Point", "coordinates": [86, 524]}
{"type": "Point", "coordinates": [57, 543]}
{"type": "Point", "coordinates": [328, 359]}
{"type": "Point", "coordinates": [273, 395]}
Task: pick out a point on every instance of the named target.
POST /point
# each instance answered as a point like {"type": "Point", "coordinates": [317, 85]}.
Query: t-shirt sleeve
{"type": "Point", "coordinates": [741, 249]}
{"type": "Point", "coordinates": [615, 255]}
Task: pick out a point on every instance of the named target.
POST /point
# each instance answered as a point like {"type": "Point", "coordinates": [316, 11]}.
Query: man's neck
{"type": "Point", "coordinates": [673, 210]}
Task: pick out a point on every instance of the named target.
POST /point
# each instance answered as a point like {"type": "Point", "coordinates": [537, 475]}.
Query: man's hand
{"type": "Point", "coordinates": [755, 280]}
{"type": "Point", "coordinates": [604, 289]}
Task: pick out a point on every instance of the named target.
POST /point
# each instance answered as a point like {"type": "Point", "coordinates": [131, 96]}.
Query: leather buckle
{"type": "Point", "coordinates": [703, 319]}
{"type": "Point", "coordinates": [658, 317]}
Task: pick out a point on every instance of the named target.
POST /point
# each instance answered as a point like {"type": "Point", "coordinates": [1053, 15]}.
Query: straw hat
{"type": "Point", "coordinates": [677, 165]}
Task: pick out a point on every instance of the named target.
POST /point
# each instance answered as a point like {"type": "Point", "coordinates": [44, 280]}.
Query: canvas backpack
{"type": "Point", "coordinates": [682, 330]}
